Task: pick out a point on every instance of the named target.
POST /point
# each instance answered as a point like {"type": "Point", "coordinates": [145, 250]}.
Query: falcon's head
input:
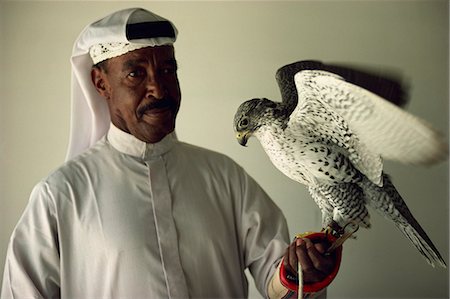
{"type": "Point", "coordinates": [250, 116]}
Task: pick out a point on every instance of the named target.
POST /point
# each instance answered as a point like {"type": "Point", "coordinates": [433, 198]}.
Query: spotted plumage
{"type": "Point", "coordinates": [330, 133]}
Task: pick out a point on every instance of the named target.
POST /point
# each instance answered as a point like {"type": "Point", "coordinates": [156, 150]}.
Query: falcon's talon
{"type": "Point", "coordinates": [333, 229]}
{"type": "Point", "coordinates": [344, 236]}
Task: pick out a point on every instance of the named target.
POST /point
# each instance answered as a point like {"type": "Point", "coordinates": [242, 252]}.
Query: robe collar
{"type": "Point", "coordinates": [130, 145]}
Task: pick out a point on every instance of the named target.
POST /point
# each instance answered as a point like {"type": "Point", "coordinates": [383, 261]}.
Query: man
{"type": "Point", "coordinates": [134, 213]}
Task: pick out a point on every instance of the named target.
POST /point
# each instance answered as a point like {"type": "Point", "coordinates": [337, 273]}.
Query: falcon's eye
{"type": "Point", "coordinates": [243, 122]}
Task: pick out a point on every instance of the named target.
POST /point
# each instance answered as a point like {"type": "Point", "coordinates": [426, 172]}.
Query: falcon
{"type": "Point", "coordinates": [331, 132]}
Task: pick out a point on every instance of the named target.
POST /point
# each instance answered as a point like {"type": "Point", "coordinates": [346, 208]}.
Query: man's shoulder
{"type": "Point", "coordinates": [77, 167]}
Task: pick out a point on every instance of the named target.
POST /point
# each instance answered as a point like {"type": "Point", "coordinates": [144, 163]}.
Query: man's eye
{"type": "Point", "coordinates": [136, 74]}
{"type": "Point", "coordinates": [169, 70]}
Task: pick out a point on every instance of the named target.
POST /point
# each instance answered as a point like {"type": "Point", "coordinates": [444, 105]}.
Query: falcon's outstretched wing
{"type": "Point", "coordinates": [386, 86]}
{"type": "Point", "coordinates": [325, 125]}
{"type": "Point", "coordinates": [381, 126]}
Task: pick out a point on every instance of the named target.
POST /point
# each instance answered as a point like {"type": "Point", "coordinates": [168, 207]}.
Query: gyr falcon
{"type": "Point", "coordinates": [331, 131]}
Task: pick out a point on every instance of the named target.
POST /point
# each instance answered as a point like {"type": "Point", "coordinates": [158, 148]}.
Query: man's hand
{"type": "Point", "coordinates": [319, 268]}
{"type": "Point", "coordinates": [315, 264]}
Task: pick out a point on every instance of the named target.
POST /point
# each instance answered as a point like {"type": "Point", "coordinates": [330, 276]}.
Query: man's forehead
{"type": "Point", "coordinates": [157, 50]}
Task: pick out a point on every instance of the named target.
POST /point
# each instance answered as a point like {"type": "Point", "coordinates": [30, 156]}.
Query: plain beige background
{"type": "Point", "coordinates": [228, 52]}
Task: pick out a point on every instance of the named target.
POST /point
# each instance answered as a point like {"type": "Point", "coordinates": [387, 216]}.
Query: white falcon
{"type": "Point", "coordinates": [331, 131]}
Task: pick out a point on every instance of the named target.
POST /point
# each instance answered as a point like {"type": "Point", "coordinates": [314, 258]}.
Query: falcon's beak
{"type": "Point", "coordinates": [242, 137]}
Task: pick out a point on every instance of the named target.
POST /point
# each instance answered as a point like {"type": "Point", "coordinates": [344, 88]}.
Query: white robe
{"type": "Point", "coordinates": [133, 220]}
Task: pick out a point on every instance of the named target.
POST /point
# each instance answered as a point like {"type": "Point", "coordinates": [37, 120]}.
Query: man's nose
{"type": "Point", "coordinates": [155, 86]}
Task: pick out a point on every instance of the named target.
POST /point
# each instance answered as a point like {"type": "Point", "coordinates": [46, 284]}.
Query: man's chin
{"type": "Point", "coordinates": [154, 134]}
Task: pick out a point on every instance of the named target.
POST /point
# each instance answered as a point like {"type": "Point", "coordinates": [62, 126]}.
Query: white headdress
{"type": "Point", "coordinates": [114, 35]}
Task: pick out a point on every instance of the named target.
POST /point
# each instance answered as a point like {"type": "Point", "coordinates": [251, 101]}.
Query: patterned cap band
{"type": "Point", "coordinates": [101, 52]}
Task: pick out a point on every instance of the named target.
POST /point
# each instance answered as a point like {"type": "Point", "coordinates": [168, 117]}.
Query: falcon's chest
{"type": "Point", "coordinates": [287, 152]}
{"type": "Point", "coordinates": [302, 158]}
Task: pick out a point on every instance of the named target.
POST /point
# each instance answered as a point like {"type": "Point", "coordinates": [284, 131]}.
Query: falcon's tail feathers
{"type": "Point", "coordinates": [390, 204]}
{"type": "Point", "coordinates": [422, 242]}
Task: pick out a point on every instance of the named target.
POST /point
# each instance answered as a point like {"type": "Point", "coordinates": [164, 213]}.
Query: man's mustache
{"type": "Point", "coordinates": [156, 104]}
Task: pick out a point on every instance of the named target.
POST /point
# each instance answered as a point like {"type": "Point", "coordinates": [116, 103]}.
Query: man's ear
{"type": "Point", "coordinates": [98, 77]}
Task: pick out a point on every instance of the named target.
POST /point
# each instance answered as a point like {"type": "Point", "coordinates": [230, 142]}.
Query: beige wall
{"type": "Point", "coordinates": [228, 52]}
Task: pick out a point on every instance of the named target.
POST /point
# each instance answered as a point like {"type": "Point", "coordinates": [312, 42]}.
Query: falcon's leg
{"type": "Point", "coordinates": [349, 210]}
{"type": "Point", "coordinates": [324, 205]}
{"type": "Point", "coordinates": [349, 204]}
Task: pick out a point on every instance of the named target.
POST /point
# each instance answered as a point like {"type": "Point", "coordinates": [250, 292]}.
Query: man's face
{"type": "Point", "coordinates": [142, 91]}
